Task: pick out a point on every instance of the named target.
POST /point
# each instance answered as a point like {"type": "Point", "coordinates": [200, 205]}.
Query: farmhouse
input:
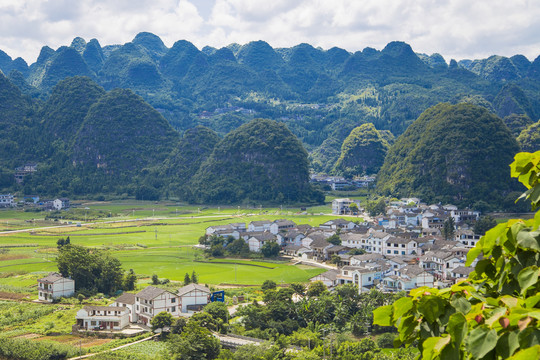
{"type": "Point", "coordinates": [102, 318]}
{"type": "Point", "coordinates": [151, 301]}
{"type": "Point", "coordinates": [257, 241]}
{"type": "Point", "coordinates": [6, 200]}
{"type": "Point", "coordinates": [55, 286]}
{"type": "Point", "coordinates": [193, 297]}
{"type": "Point", "coordinates": [127, 300]}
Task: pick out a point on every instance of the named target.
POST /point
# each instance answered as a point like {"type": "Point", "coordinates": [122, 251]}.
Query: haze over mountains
{"type": "Point", "coordinates": [82, 127]}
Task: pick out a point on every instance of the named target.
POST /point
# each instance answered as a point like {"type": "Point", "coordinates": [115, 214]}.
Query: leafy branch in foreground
{"type": "Point", "coordinates": [495, 313]}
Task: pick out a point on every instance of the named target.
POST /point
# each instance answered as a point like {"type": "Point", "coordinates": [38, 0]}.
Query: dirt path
{"type": "Point", "coordinates": [118, 348]}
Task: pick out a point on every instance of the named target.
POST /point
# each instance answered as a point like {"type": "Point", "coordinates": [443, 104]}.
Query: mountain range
{"type": "Point", "coordinates": [62, 109]}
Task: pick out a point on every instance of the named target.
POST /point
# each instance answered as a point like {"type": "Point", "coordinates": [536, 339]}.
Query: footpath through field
{"type": "Point", "coordinates": [118, 348]}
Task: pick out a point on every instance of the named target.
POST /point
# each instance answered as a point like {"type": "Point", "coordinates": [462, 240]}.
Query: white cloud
{"type": "Point", "coordinates": [454, 28]}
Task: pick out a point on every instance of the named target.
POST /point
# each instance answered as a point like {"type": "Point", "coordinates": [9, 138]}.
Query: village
{"type": "Point", "coordinates": [402, 250]}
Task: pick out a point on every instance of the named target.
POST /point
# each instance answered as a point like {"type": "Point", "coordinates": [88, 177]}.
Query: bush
{"type": "Point", "coordinates": [386, 340]}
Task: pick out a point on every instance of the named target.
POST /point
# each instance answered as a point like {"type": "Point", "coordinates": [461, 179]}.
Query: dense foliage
{"type": "Point", "coordinates": [529, 138]}
{"type": "Point", "coordinates": [261, 161]}
{"type": "Point", "coordinates": [362, 152]}
{"type": "Point", "coordinates": [451, 153]}
{"type": "Point", "coordinates": [495, 313]}
{"type": "Point", "coordinates": [93, 270]}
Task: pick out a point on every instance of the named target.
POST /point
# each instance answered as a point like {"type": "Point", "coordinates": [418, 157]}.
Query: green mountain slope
{"type": "Point", "coordinates": [451, 153]}
{"type": "Point", "coordinates": [261, 161]}
{"type": "Point", "coordinates": [122, 134]}
{"type": "Point", "coordinates": [362, 152]}
{"type": "Point", "coordinates": [529, 139]}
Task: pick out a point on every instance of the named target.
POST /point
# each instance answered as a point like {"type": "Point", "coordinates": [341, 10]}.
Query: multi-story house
{"type": "Point", "coordinates": [151, 301]}
{"type": "Point", "coordinates": [55, 286]}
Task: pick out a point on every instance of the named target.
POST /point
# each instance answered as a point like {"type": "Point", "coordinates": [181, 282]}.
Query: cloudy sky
{"type": "Point", "coordinates": [460, 29]}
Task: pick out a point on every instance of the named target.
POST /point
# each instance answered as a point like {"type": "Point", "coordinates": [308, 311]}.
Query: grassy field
{"type": "Point", "coordinates": [148, 237]}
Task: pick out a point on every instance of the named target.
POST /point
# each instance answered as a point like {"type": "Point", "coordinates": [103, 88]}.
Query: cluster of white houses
{"type": "Point", "coordinates": [403, 250]}
{"type": "Point", "coordinates": [143, 306]}
{"type": "Point", "coordinates": [128, 308]}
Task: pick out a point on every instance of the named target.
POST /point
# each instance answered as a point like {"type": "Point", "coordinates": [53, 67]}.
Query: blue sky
{"type": "Point", "coordinates": [460, 29]}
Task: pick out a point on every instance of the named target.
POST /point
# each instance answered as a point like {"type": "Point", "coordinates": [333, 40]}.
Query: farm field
{"type": "Point", "coordinates": [150, 238]}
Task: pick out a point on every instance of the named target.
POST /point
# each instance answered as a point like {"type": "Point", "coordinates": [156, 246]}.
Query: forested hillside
{"type": "Point", "coordinates": [70, 125]}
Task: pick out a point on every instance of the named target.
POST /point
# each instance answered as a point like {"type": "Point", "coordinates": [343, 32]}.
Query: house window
{"type": "Point", "coordinates": [137, 298]}
{"type": "Point", "coordinates": [116, 323]}
{"type": "Point", "coordinates": [173, 300]}
{"type": "Point", "coordinates": [403, 253]}
{"type": "Point", "coordinates": [345, 273]}
{"type": "Point", "coordinates": [402, 245]}
{"type": "Point", "coordinates": [93, 323]}
{"type": "Point", "coordinates": [173, 309]}
{"type": "Point", "coordinates": [369, 278]}
{"type": "Point", "coordinates": [150, 302]}
{"type": "Point", "coordinates": [137, 307]}
{"type": "Point", "coordinates": [396, 252]}
{"type": "Point", "coordinates": [40, 294]}
{"type": "Point", "coordinates": [388, 252]}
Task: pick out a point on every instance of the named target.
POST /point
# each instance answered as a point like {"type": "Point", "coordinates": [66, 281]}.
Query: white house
{"type": "Point", "coordinates": [291, 237]}
{"type": "Point", "coordinates": [280, 226]}
{"type": "Point", "coordinates": [258, 226]}
{"type": "Point", "coordinates": [338, 224]}
{"type": "Point", "coordinates": [59, 204]}
{"type": "Point", "coordinates": [7, 200]}
{"type": "Point", "coordinates": [127, 300]}
{"type": "Point", "coordinates": [102, 318]}
{"type": "Point", "coordinates": [408, 278]}
{"type": "Point", "coordinates": [366, 278]}
{"type": "Point", "coordinates": [400, 246]}
{"type": "Point", "coordinates": [55, 286]}
{"type": "Point", "coordinates": [257, 241]}
{"type": "Point", "coordinates": [193, 297]}
{"type": "Point", "coordinates": [151, 301]}
{"type": "Point", "coordinates": [328, 278]}
{"type": "Point", "coordinates": [467, 237]}
{"type": "Point", "coordinates": [342, 206]}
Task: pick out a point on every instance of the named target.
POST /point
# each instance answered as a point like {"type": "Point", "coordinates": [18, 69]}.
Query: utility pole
{"type": "Point", "coordinates": [156, 233]}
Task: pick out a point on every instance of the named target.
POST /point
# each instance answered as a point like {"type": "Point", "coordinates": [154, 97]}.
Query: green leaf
{"type": "Point", "coordinates": [433, 347]}
{"type": "Point", "coordinates": [528, 277]}
{"type": "Point", "coordinates": [382, 316]}
{"type": "Point", "coordinates": [401, 307]}
{"type": "Point", "coordinates": [527, 354]}
{"type": "Point", "coordinates": [432, 307]}
{"type": "Point", "coordinates": [406, 326]}
{"type": "Point", "coordinates": [457, 328]}
{"type": "Point", "coordinates": [529, 337]}
{"type": "Point", "coordinates": [527, 239]}
{"type": "Point", "coordinates": [472, 255]}
{"type": "Point", "coordinates": [507, 344]}
{"type": "Point", "coordinates": [532, 301]}
{"type": "Point", "coordinates": [495, 315]}
{"type": "Point", "coordinates": [481, 341]}
{"type": "Point", "coordinates": [461, 304]}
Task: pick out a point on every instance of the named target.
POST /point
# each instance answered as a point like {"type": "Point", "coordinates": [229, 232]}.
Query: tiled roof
{"type": "Point", "coordinates": [150, 293]}
{"type": "Point", "coordinates": [188, 288]}
{"type": "Point", "coordinates": [51, 278]}
{"type": "Point", "coordinates": [126, 298]}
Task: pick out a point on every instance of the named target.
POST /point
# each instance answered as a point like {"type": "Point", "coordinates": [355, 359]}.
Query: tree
{"type": "Point", "coordinates": [218, 310]}
{"type": "Point", "coordinates": [268, 285]}
{"type": "Point", "coordinates": [238, 247]}
{"type": "Point", "coordinates": [298, 288]}
{"type": "Point", "coordinates": [484, 224]}
{"type": "Point", "coordinates": [270, 249]}
{"type": "Point", "coordinates": [130, 280]}
{"type": "Point", "coordinates": [449, 229]}
{"type": "Point", "coordinates": [194, 343]}
{"type": "Point", "coordinates": [194, 278]}
{"type": "Point", "coordinates": [316, 288]}
{"type": "Point", "coordinates": [161, 320]}
{"type": "Point", "coordinates": [92, 270]}
{"type": "Point", "coordinates": [187, 279]}
{"type": "Point", "coordinates": [155, 280]}
{"type": "Point", "coordinates": [334, 239]}
{"type": "Point", "coordinates": [375, 208]}
{"type": "Point", "coordinates": [353, 208]}
{"type": "Point", "coordinates": [494, 313]}
{"type": "Point", "coordinates": [178, 325]}
{"type": "Point", "coordinates": [80, 297]}
{"type": "Point", "coordinates": [336, 259]}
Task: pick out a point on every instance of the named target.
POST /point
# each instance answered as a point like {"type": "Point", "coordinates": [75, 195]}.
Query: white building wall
{"type": "Point", "coordinates": [195, 297]}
